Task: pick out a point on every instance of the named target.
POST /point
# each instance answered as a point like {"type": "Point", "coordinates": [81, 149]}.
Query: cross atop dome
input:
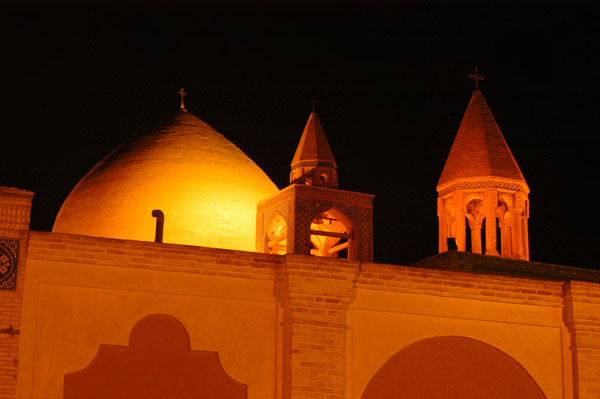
{"type": "Point", "coordinates": [182, 93]}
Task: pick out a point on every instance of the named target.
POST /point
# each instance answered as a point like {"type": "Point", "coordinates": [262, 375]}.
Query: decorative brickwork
{"type": "Point", "coordinates": [15, 206]}
{"type": "Point", "coordinates": [316, 294]}
{"type": "Point", "coordinates": [460, 285]}
{"type": "Point", "coordinates": [366, 233]}
{"type": "Point", "coordinates": [9, 254]}
{"type": "Point", "coordinates": [582, 317]}
{"type": "Point", "coordinates": [300, 204]}
{"type": "Point", "coordinates": [472, 185]}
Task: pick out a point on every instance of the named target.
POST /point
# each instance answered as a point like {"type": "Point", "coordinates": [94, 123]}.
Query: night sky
{"type": "Point", "coordinates": [391, 81]}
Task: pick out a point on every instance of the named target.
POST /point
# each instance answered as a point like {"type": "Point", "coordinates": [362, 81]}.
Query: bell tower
{"type": "Point", "coordinates": [312, 216]}
{"type": "Point", "coordinates": [483, 198]}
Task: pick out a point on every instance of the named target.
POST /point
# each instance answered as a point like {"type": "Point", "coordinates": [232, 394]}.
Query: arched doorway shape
{"type": "Point", "coordinates": [451, 368]}
{"type": "Point", "coordinates": [276, 236]}
{"type": "Point", "coordinates": [331, 235]}
{"type": "Point", "coordinates": [157, 363]}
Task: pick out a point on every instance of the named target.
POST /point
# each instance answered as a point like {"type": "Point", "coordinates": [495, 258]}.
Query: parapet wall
{"type": "Point", "coordinates": [292, 326]}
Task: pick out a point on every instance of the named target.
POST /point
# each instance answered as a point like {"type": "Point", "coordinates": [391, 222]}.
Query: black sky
{"type": "Point", "coordinates": [392, 86]}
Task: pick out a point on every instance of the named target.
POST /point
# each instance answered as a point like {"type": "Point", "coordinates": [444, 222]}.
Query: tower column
{"type": "Point", "coordinates": [442, 226]}
{"type": "Point", "coordinates": [458, 198]}
{"type": "Point", "coordinates": [506, 240]}
{"type": "Point", "coordinates": [490, 204]}
{"type": "Point", "coordinates": [520, 224]}
{"type": "Point", "coordinates": [517, 235]}
{"type": "Point", "coordinates": [525, 234]}
{"type": "Point", "coordinates": [475, 238]}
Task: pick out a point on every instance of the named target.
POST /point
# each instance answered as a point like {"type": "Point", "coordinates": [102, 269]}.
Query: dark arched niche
{"type": "Point", "coordinates": [451, 367]}
{"type": "Point", "coordinates": [158, 363]}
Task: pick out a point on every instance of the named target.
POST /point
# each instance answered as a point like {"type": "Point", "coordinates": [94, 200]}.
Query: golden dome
{"type": "Point", "coordinates": [206, 187]}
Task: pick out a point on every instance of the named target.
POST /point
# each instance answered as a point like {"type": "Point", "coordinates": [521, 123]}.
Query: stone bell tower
{"type": "Point", "coordinates": [483, 198]}
{"type": "Point", "coordinates": [311, 215]}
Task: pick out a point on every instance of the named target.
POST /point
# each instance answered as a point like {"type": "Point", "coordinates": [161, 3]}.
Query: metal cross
{"type": "Point", "coordinates": [476, 77]}
{"type": "Point", "coordinates": [182, 93]}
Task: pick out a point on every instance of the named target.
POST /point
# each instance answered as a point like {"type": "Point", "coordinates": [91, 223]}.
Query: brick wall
{"type": "Point", "coordinates": [149, 255]}
{"type": "Point", "coordinates": [10, 325]}
{"type": "Point", "coordinates": [15, 206]}
{"type": "Point", "coordinates": [460, 285]}
{"type": "Point", "coordinates": [316, 293]}
{"type": "Point", "coordinates": [582, 317]}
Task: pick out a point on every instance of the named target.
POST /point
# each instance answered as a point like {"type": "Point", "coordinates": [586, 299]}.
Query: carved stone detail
{"type": "Point", "coordinates": [481, 184]}
{"type": "Point", "coordinates": [9, 255]}
{"type": "Point", "coordinates": [300, 204]}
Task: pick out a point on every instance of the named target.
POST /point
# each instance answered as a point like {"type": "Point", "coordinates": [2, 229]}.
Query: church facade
{"type": "Point", "coordinates": [282, 298]}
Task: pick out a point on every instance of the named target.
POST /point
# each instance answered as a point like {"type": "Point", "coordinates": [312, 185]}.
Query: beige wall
{"type": "Point", "coordinates": [382, 323]}
{"type": "Point", "coordinates": [292, 326]}
{"type": "Point", "coordinates": [72, 306]}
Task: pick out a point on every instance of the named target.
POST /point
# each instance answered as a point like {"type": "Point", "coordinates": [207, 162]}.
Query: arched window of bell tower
{"type": "Point", "coordinates": [475, 216]}
{"type": "Point", "coordinates": [276, 237]}
{"type": "Point", "coordinates": [504, 229]}
{"type": "Point", "coordinates": [323, 180]}
{"type": "Point", "coordinates": [331, 235]}
{"type": "Point", "coordinates": [468, 239]}
{"type": "Point", "coordinates": [482, 236]}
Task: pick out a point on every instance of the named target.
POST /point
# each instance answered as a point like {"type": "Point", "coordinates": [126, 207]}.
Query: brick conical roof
{"type": "Point", "coordinates": [479, 149]}
{"type": "Point", "coordinates": [313, 144]}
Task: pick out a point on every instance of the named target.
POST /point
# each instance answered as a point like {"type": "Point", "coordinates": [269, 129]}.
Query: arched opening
{"type": "Point", "coordinates": [276, 236]}
{"type": "Point", "coordinates": [498, 237]}
{"type": "Point", "coordinates": [451, 367]}
{"type": "Point", "coordinates": [468, 239]}
{"type": "Point", "coordinates": [323, 180]}
{"type": "Point", "coordinates": [482, 236]}
{"type": "Point", "coordinates": [331, 235]}
{"type": "Point", "coordinates": [504, 229]}
{"type": "Point", "coordinates": [474, 214]}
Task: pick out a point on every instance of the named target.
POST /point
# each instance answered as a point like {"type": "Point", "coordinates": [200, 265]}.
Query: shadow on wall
{"type": "Point", "coordinates": [158, 363]}
{"type": "Point", "coordinates": [452, 367]}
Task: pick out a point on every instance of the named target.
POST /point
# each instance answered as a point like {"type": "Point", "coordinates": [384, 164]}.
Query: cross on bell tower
{"type": "Point", "coordinates": [483, 198]}
{"type": "Point", "coordinates": [476, 77]}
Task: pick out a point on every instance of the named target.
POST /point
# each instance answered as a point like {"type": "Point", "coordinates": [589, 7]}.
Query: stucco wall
{"type": "Point", "coordinates": [292, 326]}
{"type": "Point", "coordinates": [82, 292]}
{"type": "Point", "coordinates": [396, 306]}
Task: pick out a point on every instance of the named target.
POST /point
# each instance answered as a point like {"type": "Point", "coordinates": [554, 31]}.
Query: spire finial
{"type": "Point", "coordinates": [476, 77]}
{"type": "Point", "coordinates": [182, 93]}
{"type": "Point", "coordinates": [314, 102]}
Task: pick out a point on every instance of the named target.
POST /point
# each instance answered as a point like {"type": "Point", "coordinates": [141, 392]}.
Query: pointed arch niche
{"type": "Point", "coordinates": [276, 236]}
{"type": "Point", "coordinates": [452, 367]}
{"type": "Point", "coordinates": [332, 235]}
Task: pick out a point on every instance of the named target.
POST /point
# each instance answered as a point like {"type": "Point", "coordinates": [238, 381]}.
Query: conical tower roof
{"type": "Point", "coordinates": [479, 150]}
{"type": "Point", "coordinates": [206, 187]}
{"type": "Point", "coordinates": [313, 146]}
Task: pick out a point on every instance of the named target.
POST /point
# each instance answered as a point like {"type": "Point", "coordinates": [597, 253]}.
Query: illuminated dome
{"type": "Point", "coordinates": [206, 187]}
